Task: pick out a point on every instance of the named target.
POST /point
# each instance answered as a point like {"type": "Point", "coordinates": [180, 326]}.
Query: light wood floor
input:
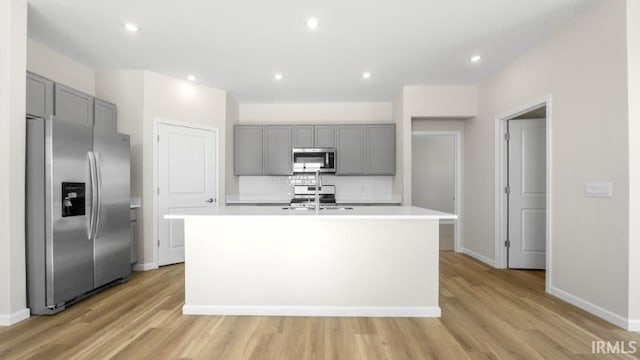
{"type": "Point", "coordinates": [487, 314]}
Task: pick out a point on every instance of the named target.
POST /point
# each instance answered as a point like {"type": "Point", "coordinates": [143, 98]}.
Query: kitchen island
{"type": "Point", "coordinates": [269, 260]}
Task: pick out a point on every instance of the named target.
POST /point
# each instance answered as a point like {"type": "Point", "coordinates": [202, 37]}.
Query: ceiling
{"type": "Point", "coordinates": [239, 45]}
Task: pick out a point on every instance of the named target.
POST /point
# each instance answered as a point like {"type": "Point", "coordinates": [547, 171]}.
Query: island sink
{"type": "Point", "coordinates": [304, 208]}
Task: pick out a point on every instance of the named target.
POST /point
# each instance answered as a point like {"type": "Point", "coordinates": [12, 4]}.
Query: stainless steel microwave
{"type": "Point", "coordinates": [308, 160]}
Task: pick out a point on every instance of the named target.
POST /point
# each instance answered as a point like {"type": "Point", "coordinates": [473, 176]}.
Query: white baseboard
{"type": "Point", "coordinates": [594, 309]}
{"type": "Point", "coordinates": [633, 325]}
{"type": "Point", "coordinates": [320, 311]}
{"type": "Point", "coordinates": [144, 267]}
{"type": "Point", "coordinates": [479, 257]}
{"type": "Point", "coordinates": [16, 317]}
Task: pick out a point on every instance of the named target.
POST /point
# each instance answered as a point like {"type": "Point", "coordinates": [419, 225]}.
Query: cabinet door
{"type": "Point", "coordinates": [302, 136]}
{"type": "Point", "coordinates": [247, 150]}
{"type": "Point", "coordinates": [350, 149]}
{"type": "Point", "coordinates": [73, 105]}
{"type": "Point", "coordinates": [324, 136]}
{"type": "Point", "coordinates": [105, 115]}
{"type": "Point", "coordinates": [39, 96]}
{"type": "Point", "coordinates": [276, 150]}
{"type": "Point", "coordinates": [381, 149]}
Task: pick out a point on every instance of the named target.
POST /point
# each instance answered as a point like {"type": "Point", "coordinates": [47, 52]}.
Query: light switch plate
{"type": "Point", "coordinates": [600, 190]}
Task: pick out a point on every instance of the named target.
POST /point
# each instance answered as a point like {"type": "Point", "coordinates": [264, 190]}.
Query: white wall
{"type": "Point", "coordinates": [422, 124]}
{"type": "Point", "coordinates": [13, 37]}
{"type": "Point", "coordinates": [441, 101]}
{"type": "Point", "coordinates": [433, 172]}
{"type": "Point", "coordinates": [583, 67]}
{"type": "Point", "coordinates": [145, 97]}
{"type": "Point", "coordinates": [315, 113]}
{"type": "Point", "coordinates": [455, 102]}
{"type": "Point", "coordinates": [59, 68]}
{"type": "Point", "coordinates": [185, 102]}
{"type": "Point", "coordinates": [633, 62]}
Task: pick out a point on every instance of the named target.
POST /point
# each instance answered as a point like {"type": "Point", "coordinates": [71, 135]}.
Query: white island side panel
{"type": "Point", "coordinates": [311, 266]}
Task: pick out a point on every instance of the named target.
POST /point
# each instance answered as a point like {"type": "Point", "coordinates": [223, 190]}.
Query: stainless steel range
{"type": "Point", "coordinates": [304, 196]}
{"type": "Point", "coordinates": [304, 191]}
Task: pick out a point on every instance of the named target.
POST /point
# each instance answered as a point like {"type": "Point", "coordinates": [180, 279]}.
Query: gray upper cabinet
{"type": "Point", "coordinates": [247, 150]}
{"type": "Point", "coordinates": [39, 96]}
{"type": "Point", "coordinates": [324, 136]}
{"type": "Point", "coordinates": [350, 147]}
{"type": "Point", "coordinates": [277, 141]}
{"type": "Point", "coordinates": [380, 149]}
{"type": "Point", "coordinates": [302, 136]}
{"type": "Point", "coordinates": [361, 149]}
{"type": "Point", "coordinates": [104, 115]}
{"type": "Point", "coordinates": [73, 105]}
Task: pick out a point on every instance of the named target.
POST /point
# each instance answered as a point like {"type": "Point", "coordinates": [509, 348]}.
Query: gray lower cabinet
{"type": "Point", "coordinates": [350, 147]}
{"type": "Point", "coordinates": [302, 136]}
{"type": "Point", "coordinates": [39, 96]}
{"type": "Point", "coordinates": [247, 150]}
{"type": "Point", "coordinates": [73, 105]}
{"type": "Point", "coordinates": [276, 154]}
{"type": "Point", "coordinates": [380, 155]}
{"type": "Point", "coordinates": [105, 115]}
{"type": "Point", "coordinates": [324, 136]}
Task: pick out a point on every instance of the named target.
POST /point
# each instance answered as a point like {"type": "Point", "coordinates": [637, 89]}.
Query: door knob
{"type": "Point", "coordinates": [209, 200]}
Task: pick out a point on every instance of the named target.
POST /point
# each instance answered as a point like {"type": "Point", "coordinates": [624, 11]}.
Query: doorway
{"type": "Point", "coordinates": [187, 181]}
{"type": "Point", "coordinates": [435, 183]}
{"type": "Point", "coordinates": [523, 188]}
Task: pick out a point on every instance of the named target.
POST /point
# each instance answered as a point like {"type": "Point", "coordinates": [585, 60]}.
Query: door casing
{"type": "Point", "coordinates": [156, 180]}
{"type": "Point", "coordinates": [501, 182]}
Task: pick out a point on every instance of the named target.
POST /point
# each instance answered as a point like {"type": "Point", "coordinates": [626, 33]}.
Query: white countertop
{"type": "Point", "coordinates": [386, 212]}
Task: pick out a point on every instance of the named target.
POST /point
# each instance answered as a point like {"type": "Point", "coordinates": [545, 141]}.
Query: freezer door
{"type": "Point", "coordinates": [112, 243]}
{"type": "Point", "coordinates": [68, 247]}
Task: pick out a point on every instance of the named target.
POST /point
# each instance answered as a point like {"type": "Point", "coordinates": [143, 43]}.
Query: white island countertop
{"type": "Point", "coordinates": [382, 212]}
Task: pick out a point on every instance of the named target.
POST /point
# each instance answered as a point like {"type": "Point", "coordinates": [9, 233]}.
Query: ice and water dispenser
{"type": "Point", "coordinates": [73, 196]}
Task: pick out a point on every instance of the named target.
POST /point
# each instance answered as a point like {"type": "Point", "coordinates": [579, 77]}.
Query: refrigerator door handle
{"type": "Point", "coordinates": [99, 188]}
{"type": "Point", "coordinates": [94, 193]}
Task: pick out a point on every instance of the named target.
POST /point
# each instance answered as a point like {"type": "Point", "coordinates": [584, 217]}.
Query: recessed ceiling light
{"type": "Point", "coordinates": [366, 75]}
{"type": "Point", "coordinates": [191, 78]}
{"type": "Point", "coordinates": [312, 23]}
{"type": "Point", "coordinates": [475, 58]}
{"type": "Point", "coordinates": [278, 76]}
{"type": "Point", "coordinates": [131, 27]}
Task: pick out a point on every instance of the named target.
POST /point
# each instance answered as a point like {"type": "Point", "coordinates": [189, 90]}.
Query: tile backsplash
{"type": "Point", "coordinates": [347, 187]}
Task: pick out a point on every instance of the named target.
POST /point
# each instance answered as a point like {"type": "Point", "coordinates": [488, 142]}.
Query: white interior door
{"type": "Point", "coordinates": [527, 193]}
{"type": "Point", "coordinates": [187, 183]}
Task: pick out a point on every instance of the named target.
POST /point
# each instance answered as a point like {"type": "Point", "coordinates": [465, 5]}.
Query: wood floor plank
{"type": "Point", "coordinates": [486, 314]}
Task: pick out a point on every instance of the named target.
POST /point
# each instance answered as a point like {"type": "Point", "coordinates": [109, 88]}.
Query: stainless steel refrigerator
{"type": "Point", "coordinates": [78, 195]}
